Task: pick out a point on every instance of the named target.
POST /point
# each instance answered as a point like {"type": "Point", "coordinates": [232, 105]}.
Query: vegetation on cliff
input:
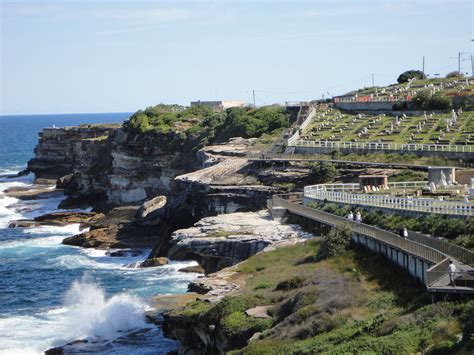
{"type": "Point", "coordinates": [352, 303]}
{"type": "Point", "coordinates": [191, 128]}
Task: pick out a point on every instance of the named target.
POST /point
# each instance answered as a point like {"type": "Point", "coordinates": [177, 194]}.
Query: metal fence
{"type": "Point", "coordinates": [340, 193]}
{"type": "Point", "coordinates": [419, 250]}
{"type": "Point", "coordinates": [457, 252]}
{"type": "Point", "coordinates": [437, 272]}
{"type": "Point", "coordinates": [439, 148]}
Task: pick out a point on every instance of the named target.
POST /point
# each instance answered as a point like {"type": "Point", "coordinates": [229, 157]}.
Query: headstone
{"type": "Point", "coordinates": [441, 176]}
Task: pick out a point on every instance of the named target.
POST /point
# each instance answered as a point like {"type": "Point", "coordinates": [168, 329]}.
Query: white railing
{"type": "Point", "coordinates": [344, 193]}
{"type": "Point", "coordinates": [296, 142]}
{"type": "Point", "coordinates": [296, 136]}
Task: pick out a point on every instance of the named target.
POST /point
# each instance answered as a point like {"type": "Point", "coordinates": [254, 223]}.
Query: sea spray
{"type": "Point", "coordinates": [94, 316]}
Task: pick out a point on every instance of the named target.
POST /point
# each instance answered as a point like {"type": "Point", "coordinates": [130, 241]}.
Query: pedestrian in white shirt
{"type": "Point", "coordinates": [358, 217]}
{"type": "Point", "coordinates": [350, 216]}
{"type": "Point", "coordinates": [405, 233]}
{"type": "Point", "coordinates": [451, 272]}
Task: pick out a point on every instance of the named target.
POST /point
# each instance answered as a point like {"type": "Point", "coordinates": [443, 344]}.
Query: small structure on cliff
{"type": "Point", "coordinates": [220, 105]}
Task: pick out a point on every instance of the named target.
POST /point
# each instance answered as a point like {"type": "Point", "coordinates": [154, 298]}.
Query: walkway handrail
{"type": "Point", "coordinates": [419, 250]}
{"type": "Point", "coordinates": [345, 193]}
{"type": "Point", "coordinates": [457, 252]}
{"type": "Point", "coordinates": [304, 124]}
{"type": "Point", "coordinates": [382, 146]}
{"type": "Point", "coordinates": [437, 271]}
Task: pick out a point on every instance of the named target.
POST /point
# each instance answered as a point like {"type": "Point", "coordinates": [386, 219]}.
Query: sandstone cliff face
{"type": "Point", "coordinates": [140, 168]}
{"type": "Point", "coordinates": [113, 166]}
{"type": "Point", "coordinates": [60, 151]}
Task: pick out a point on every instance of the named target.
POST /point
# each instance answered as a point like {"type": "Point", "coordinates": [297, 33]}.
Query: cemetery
{"type": "Point", "coordinates": [454, 128]}
{"type": "Point", "coordinates": [406, 91]}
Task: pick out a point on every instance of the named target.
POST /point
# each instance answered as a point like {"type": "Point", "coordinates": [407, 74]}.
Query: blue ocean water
{"type": "Point", "coordinates": [50, 293]}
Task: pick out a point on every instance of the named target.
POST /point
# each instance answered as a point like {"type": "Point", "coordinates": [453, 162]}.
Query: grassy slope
{"type": "Point", "coordinates": [356, 303]}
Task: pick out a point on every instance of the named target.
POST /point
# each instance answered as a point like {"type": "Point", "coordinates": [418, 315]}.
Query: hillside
{"type": "Point", "coordinates": [346, 304]}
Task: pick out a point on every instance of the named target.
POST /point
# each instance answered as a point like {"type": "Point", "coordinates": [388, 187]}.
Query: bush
{"type": "Point", "coordinates": [455, 74]}
{"type": "Point", "coordinates": [290, 284]}
{"type": "Point", "coordinates": [410, 74]}
{"type": "Point", "coordinates": [335, 243]}
{"type": "Point", "coordinates": [323, 172]}
{"type": "Point", "coordinates": [439, 102]}
{"type": "Point", "coordinates": [425, 101]}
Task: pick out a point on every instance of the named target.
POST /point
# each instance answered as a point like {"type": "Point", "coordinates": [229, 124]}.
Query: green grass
{"type": "Point", "coordinates": [343, 130]}
{"type": "Point", "coordinates": [354, 303]}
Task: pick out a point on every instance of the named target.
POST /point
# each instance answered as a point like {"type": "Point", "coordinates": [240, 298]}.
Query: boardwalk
{"type": "Point", "coordinates": [422, 261]}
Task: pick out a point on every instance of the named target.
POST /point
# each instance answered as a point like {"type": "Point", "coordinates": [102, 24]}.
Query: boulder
{"type": "Point", "coordinates": [198, 269]}
{"type": "Point", "coordinates": [159, 261]}
{"type": "Point", "coordinates": [151, 206]}
{"type": "Point", "coordinates": [64, 181]}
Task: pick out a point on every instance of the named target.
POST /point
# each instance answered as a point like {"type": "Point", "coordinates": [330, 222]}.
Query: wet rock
{"type": "Point", "coordinates": [154, 262]}
{"type": "Point", "coordinates": [124, 253]}
{"type": "Point", "coordinates": [198, 269]}
{"type": "Point", "coordinates": [58, 219]}
{"type": "Point", "coordinates": [64, 181]}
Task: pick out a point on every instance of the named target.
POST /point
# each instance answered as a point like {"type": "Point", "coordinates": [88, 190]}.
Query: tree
{"type": "Point", "coordinates": [410, 74]}
{"type": "Point", "coordinates": [323, 172]}
{"type": "Point", "coordinates": [335, 243]}
{"type": "Point", "coordinates": [455, 74]}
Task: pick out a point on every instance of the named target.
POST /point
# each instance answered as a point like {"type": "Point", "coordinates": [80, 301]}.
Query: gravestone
{"type": "Point", "coordinates": [441, 176]}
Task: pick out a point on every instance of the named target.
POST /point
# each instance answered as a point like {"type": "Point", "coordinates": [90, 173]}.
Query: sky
{"type": "Point", "coordinates": [121, 56]}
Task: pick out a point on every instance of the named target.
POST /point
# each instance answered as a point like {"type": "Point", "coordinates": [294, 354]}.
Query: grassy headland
{"type": "Point", "coordinates": [353, 303]}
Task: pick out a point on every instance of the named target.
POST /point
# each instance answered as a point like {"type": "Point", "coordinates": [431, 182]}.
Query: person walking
{"type": "Point", "coordinates": [358, 217]}
{"type": "Point", "coordinates": [350, 216]}
{"type": "Point", "coordinates": [451, 272]}
{"type": "Point", "coordinates": [405, 233]}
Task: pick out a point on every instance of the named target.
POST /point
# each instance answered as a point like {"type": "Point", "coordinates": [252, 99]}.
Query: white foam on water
{"type": "Point", "coordinates": [86, 314]}
{"type": "Point", "coordinates": [53, 237]}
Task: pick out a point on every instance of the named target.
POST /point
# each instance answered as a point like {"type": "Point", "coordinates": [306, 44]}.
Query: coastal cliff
{"type": "Point", "coordinates": [61, 151]}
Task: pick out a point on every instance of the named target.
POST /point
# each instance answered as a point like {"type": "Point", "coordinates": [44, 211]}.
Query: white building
{"type": "Point", "coordinates": [220, 105]}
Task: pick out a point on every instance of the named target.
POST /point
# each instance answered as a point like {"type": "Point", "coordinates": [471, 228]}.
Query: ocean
{"type": "Point", "coordinates": [50, 293]}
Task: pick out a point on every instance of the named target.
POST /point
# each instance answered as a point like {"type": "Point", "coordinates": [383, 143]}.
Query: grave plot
{"type": "Point", "coordinates": [452, 128]}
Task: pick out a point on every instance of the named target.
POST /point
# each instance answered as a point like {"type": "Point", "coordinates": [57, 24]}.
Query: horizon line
{"type": "Point", "coordinates": [64, 113]}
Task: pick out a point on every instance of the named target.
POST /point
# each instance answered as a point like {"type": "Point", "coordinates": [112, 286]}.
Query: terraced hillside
{"type": "Point", "coordinates": [454, 128]}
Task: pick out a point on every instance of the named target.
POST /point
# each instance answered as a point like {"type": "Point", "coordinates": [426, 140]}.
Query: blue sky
{"type": "Point", "coordinates": [110, 56]}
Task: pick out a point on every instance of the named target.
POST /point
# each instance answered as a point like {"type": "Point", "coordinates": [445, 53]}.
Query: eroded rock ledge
{"type": "Point", "coordinates": [224, 240]}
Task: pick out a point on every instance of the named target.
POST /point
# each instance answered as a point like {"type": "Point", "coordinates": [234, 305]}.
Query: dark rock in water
{"type": "Point", "coordinates": [24, 172]}
{"type": "Point", "coordinates": [22, 223]}
{"type": "Point", "coordinates": [58, 219]}
{"type": "Point", "coordinates": [63, 218]}
{"type": "Point", "coordinates": [154, 262]}
{"type": "Point", "coordinates": [54, 351]}
{"type": "Point", "coordinates": [125, 252]}
{"type": "Point", "coordinates": [198, 269]}
{"type": "Point", "coordinates": [100, 238]}
{"type": "Point", "coordinates": [64, 181]}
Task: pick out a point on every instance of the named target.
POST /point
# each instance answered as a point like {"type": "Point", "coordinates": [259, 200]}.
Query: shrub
{"type": "Point", "coordinates": [290, 284]}
{"type": "Point", "coordinates": [335, 243]}
{"type": "Point", "coordinates": [424, 100]}
{"type": "Point", "coordinates": [455, 74]}
{"type": "Point", "coordinates": [323, 172]}
{"type": "Point", "coordinates": [410, 74]}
